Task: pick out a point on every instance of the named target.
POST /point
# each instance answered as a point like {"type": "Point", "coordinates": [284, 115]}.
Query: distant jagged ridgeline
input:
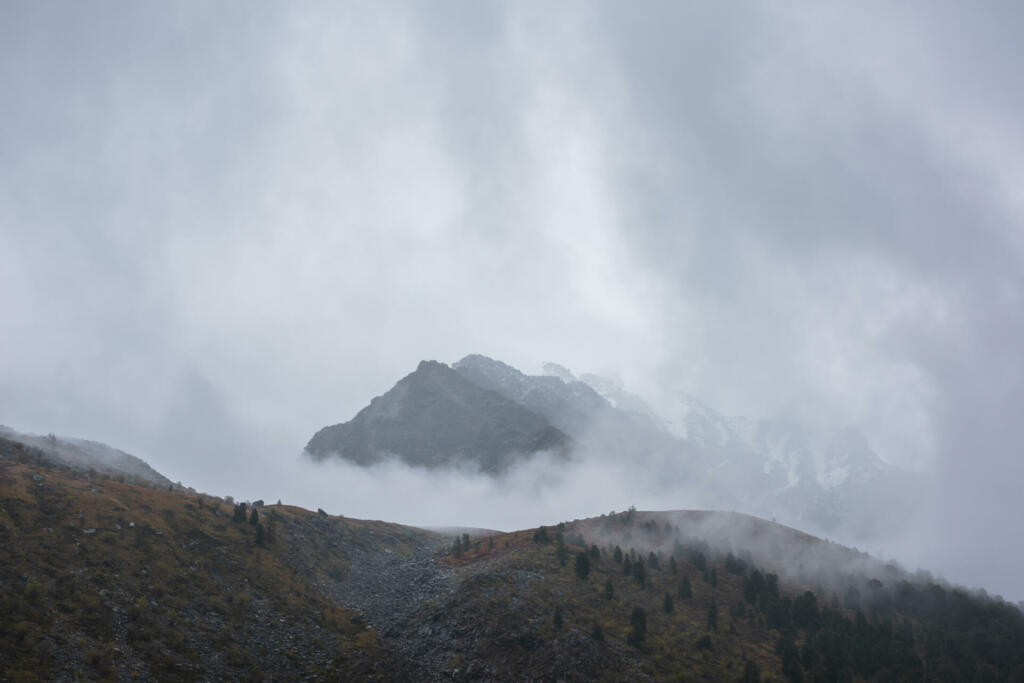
{"type": "Point", "coordinates": [487, 415]}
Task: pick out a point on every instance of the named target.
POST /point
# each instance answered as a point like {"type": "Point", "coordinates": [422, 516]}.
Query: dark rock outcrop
{"type": "Point", "coordinates": [434, 417]}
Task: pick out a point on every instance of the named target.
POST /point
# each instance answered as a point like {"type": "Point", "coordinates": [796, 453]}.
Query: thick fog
{"type": "Point", "coordinates": [226, 226]}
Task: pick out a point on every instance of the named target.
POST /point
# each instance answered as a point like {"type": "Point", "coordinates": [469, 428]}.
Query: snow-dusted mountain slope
{"type": "Point", "coordinates": [567, 403]}
{"type": "Point", "coordinates": [484, 411]}
{"type": "Point", "coordinates": [822, 478]}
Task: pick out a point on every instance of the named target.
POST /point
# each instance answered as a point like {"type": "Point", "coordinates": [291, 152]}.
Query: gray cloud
{"type": "Point", "coordinates": [254, 219]}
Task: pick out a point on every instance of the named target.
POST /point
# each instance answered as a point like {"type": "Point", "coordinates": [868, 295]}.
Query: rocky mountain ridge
{"type": "Point", "coordinates": [434, 417]}
{"type": "Point", "coordinates": [774, 468]}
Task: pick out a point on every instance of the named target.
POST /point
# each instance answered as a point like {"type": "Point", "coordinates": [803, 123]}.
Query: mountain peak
{"type": "Point", "coordinates": [568, 404]}
{"type": "Point", "coordinates": [435, 417]}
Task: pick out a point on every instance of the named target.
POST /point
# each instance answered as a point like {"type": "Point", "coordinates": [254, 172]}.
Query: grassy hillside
{"type": "Point", "coordinates": [533, 614]}
{"type": "Point", "coordinates": [722, 597]}
{"type": "Point", "coordinates": [102, 579]}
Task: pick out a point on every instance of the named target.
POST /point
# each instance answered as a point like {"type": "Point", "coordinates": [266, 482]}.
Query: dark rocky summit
{"type": "Point", "coordinates": [435, 417]}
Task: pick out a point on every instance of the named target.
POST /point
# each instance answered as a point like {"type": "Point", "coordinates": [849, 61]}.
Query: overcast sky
{"type": "Point", "coordinates": [226, 225]}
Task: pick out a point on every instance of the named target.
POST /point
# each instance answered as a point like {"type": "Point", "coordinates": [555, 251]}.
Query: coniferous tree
{"type": "Point", "coordinates": [627, 566]}
{"type": "Point", "coordinates": [771, 585]}
{"type": "Point", "coordinates": [699, 560]}
{"type": "Point", "coordinates": [714, 578]}
{"type": "Point", "coordinates": [713, 616]}
{"type": "Point", "coordinates": [254, 518]}
{"type": "Point", "coordinates": [638, 620]}
{"type": "Point", "coordinates": [852, 598]}
{"type": "Point", "coordinates": [672, 566]}
{"type": "Point", "coordinates": [753, 585]}
{"type": "Point", "coordinates": [561, 552]}
{"type": "Point", "coordinates": [751, 672]}
{"type": "Point", "coordinates": [617, 555]}
{"type": "Point", "coordinates": [609, 590]}
{"type": "Point", "coordinates": [558, 619]}
{"type": "Point", "coordinates": [734, 565]}
{"type": "Point", "coordinates": [685, 590]}
{"type": "Point", "coordinates": [259, 534]}
{"type": "Point", "coordinates": [805, 610]}
{"type": "Point", "coordinates": [788, 651]}
{"type": "Point", "coordinates": [639, 575]}
{"type": "Point", "coordinates": [652, 561]}
{"type": "Point", "coordinates": [668, 604]}
{"type": "Point", "coordinates": [582, 565]}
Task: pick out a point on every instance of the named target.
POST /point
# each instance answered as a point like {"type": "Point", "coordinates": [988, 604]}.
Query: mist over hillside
{"type": "Point", "coordinates": [281, 591]}
{"type": "Point", "coordinates": [825, 481]}
{"type": "Point", "coordinates": [85, 456]}
{"type": "Point", "coordinates": [500, 265]}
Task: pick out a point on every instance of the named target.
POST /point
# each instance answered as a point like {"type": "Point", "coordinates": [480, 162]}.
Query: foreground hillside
{"type": "Point", "coordinates": [102, 579]}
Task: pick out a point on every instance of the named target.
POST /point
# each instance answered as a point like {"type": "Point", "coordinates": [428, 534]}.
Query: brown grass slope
{"type": "Point", "coordinates": [504, 626]}
{"type": "Point", "coordinates": [106, 580]}
{"type": "Point", "coordinates": [102, 579]}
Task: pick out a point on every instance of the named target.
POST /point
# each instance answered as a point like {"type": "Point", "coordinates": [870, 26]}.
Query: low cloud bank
{"type": "Point", "coordinates": [541, 490]}
{"type": "Point", "coordinates": [545, 489]}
